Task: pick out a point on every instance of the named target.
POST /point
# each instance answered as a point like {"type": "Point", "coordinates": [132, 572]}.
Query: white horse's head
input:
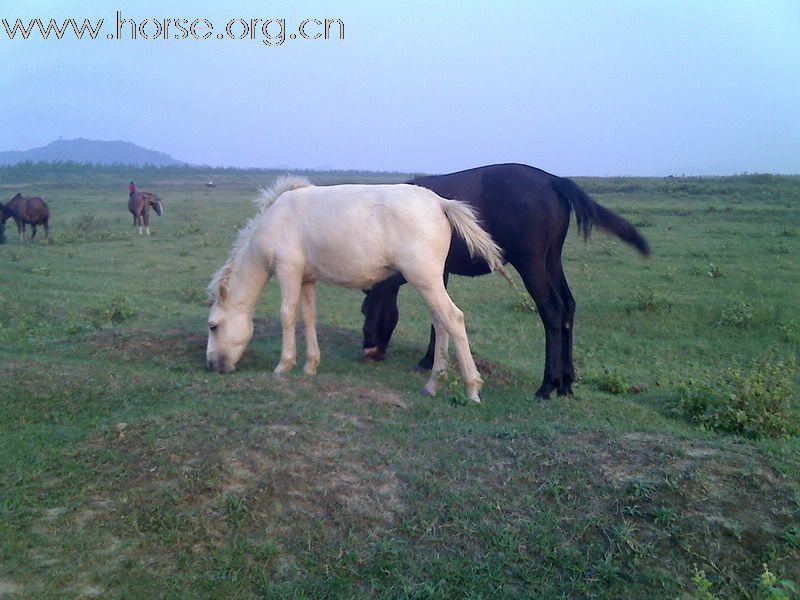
{"type": "Point", "coordinates": [230, 326]}
{"type": "Point", "coordinates": [229, 332]}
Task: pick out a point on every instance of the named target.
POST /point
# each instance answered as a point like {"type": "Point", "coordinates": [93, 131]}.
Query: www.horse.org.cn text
{"type": "Point", "coordinates": [270, 32]}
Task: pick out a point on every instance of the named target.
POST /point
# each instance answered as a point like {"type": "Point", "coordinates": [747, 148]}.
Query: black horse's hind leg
{"type": "Point", "coordinates": [380, 316]}
{"type": "Point", "coordinates": [551, 311]}
{"type": "Point", "coordinates": [33, 231]}
{"type": "Point", "coordinates": [426, 362]}
{"type": "Point", "coordinates": [567, 365]}
{"type": "Point", "coordinates": [46, 230]}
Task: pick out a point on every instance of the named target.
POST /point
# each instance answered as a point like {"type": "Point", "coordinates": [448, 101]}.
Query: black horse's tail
{"type": "Point", "coordinates": [589, 213]}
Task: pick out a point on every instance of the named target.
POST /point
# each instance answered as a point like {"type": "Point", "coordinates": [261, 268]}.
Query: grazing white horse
{"type": "Point", "coordinates": [348, 235]}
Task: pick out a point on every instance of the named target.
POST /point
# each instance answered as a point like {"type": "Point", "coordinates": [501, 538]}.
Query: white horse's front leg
{"type": "Point", "coordinates": [308, 313]}
{"type": "Point", "coordinates": [290, 293]}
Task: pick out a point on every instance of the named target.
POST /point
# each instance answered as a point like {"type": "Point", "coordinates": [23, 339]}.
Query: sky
{"type": "Point", "coordinates": [574, 87]}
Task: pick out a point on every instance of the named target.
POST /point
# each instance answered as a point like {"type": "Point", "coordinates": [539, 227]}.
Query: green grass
{"type": "Point", "coordinates": [128, 471]}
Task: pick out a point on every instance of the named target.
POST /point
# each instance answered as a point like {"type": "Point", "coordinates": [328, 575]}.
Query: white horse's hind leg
{"type": "Point", "coordinates": [307, 311]}
{"type": "Point", "coordinates": [290, 294]}
{"type": "Point", "coordinates": [439, 363]}
{"type": "Point", "coordinates": [451, 319]}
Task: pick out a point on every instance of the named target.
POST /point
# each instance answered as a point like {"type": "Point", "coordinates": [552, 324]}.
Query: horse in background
{"type": "Point", "coordinates": [139, 205]}
{"type": "Point", "coordinates": [351, 236]}
{"type": "Point", "coordinates": [527, 212]}
{"type": "Point", "coordinates": [32, 211]}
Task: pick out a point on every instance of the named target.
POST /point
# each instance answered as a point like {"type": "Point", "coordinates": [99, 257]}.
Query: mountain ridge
{"type": "Point", "coordinates": [83, 150]}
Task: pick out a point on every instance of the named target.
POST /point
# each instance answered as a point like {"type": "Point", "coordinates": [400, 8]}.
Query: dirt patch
{"type": "Point", "coordinates": [8, 587]}
{"type": "Point", "coordinates": [271, 472]}
{"type": "Point", "coordinates": [145, 344]}
{"type": "Point", "coordinates": [729, 505]}
{"type": "Point", "coordinates": [494, 373]}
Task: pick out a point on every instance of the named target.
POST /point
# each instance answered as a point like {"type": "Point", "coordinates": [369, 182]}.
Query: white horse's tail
{"type": "Point", "coordinates": [478, 241]}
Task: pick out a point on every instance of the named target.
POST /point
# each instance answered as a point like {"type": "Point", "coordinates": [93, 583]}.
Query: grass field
{"type": "Point", "coordinates": [128, 471]}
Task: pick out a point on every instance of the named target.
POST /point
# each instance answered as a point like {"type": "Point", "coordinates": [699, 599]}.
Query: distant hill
{"type": "Point", "coordinates": [82, 150]}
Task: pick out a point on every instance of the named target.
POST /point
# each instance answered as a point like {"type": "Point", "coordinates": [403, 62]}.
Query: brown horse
{"type": "Point", "coordinates": [32, 211]}
{"type": "Point", "coordinates": [139, 204]}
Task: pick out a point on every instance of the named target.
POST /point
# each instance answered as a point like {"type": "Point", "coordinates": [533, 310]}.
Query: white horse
{"type": "Point", "coordinates": [347, 235]}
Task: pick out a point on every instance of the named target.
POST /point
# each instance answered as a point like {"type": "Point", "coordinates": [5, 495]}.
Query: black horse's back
{"type": "Point", "coordinates": [509, 198]}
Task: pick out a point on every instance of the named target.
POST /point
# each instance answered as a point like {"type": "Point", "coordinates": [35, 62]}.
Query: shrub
{"type": "Point", "coordinates": [87, 227]}
{"type": "Point", "coordinates": [613, 382]}
{"type": "Point", "coordinates": [752, 403]}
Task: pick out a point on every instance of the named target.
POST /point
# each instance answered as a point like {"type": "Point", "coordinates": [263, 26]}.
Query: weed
{"type": "Point", "coordinates": [770, 588]}
{"type": "Point", "coordinates": [194, 295]}
{"type": "Point", "coordinates": [235, 509]}
{"type": "Point", "coordinates": [714, 271]}
{"type": "Point", "coordinates": [738, 314]}
{"type": "Point", "coordinates": [779, 249]}
{"type": "Point", "coordinates": [790, 330]}
{"type": "Point", "coordinates": [451, 385]}
{"type": "Point", "coordinates": [651, 301]}
{"type": "Point", "coordinates": [188, 227]}
{"type": "Point", "coordinates": [702, 586]}
{"type": "Point", "coordinates": [754, 403]}
{"type": "Point", "coordinates": [791, 535]}
{"type": "Point", "coordinates": [115, 310]}
{"type": "Point", "coordinates": [641, 489]}
{"type": "Point", "coordinates": [624, 536]}
{"type": "Point", "coordinates": [42, 270]}
{"type": "Point", "coordinates": [523, 303]}
{"type": "Point", "coordinates": [665, 517]}
{"type": "Point", "coordinates": [644, 222]}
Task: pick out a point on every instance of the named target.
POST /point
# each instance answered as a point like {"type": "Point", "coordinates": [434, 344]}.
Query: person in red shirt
{"type": "Point", "coordinates": [132, 189]}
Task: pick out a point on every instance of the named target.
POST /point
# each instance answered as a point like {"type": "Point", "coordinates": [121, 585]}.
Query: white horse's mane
{"type": "Point", "coordinates": [217, 288]}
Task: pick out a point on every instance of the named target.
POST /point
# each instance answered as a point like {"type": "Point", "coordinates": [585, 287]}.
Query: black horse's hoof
{"type": "Point", "coordinates": [372, 355]}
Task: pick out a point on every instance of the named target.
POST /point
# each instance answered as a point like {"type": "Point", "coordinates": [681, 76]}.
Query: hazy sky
{"type": "Point", "coordinates": [577, 88]}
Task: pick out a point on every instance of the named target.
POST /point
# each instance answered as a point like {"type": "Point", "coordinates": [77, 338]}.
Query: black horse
{"type": "Point", "coordinates": [527, 212]}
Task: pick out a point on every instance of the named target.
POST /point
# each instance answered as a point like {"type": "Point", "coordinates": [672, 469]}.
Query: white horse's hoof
{"type": "Point", "coordinates": [282, 369]}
